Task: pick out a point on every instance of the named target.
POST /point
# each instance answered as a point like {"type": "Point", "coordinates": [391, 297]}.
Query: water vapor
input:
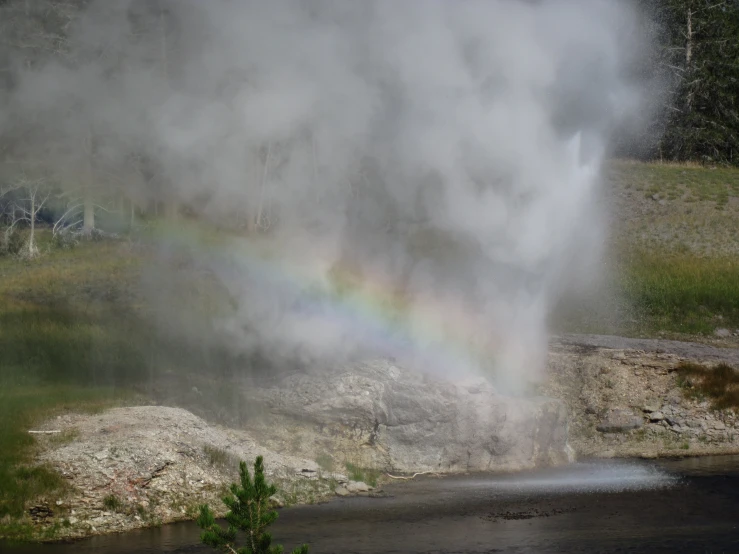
{"type": "Point", "coordinates": [440, 160]}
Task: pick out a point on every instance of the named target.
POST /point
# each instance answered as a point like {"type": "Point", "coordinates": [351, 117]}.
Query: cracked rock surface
{"type": "Point", "coordinates": [138, 466]}
{"type": "Point", "coordinates": [378, 415]}
{"type": "Point", "coordinates": [624, 398]}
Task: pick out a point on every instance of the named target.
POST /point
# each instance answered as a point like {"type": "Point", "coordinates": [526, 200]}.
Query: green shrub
{"type": "Point", "coordinates": [249, 511]}
{"type": "Point", "coordinates": [112, 503]}
{"type": "Point", "coordinates": [325, 462]}
{"type": "Point", "coordinates": [363, 474]}
{"type": "Point", "coordinates": [218, 457]}
{"type": "Point", "coordinates": [720, 383]}
{"type": "Point", "coordinates": [15, 243]}
{"type": "Point", "coordinates": [65, 240]}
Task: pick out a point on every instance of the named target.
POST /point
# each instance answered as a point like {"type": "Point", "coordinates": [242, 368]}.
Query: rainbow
{"type": "Point", "coordinates": [434, 331]}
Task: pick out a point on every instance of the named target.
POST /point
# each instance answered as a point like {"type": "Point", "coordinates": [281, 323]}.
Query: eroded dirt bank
{"type": "Point", "coordinates": [138, 466]}
{"type": "Point", "coordinates": [624, 398]}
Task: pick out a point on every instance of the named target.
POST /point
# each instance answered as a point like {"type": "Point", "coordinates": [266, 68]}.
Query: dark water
{"type": "Point", "coordinates": [689, 505]}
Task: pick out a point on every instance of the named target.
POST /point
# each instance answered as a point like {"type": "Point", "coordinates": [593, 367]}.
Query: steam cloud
{"type": "Point", "coordinates": [451, 150]}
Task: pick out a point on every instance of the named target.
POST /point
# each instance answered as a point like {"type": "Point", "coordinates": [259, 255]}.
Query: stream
{"type": "Point", "coordinates": [684, 505]}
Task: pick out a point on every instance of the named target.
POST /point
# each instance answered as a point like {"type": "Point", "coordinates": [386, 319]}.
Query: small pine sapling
{"type": "Point", "coordinates": [249, 512]}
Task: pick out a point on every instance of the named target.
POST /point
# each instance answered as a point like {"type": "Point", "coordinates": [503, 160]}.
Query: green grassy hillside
{"type": "Point", "coordinates": [673, 262]}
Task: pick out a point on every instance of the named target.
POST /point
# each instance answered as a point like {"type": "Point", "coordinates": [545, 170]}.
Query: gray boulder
{"type": "Point", "coordinates": [392, 418]}
{"type": "Point", "coordinates": [619, 420]}
{"type": "Point", "coordinates": [357, 486]}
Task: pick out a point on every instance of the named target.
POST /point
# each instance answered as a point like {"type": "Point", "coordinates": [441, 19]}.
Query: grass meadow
{"type": "Point", "coordinates": [673, 263]}
{"type": "Point", "coordinates": [75, 335]}
{"type": "Point", "coordinates": [680, 292]}
{"type": "Point", "coordinates": [65, 345]}
{"type": "Point", "coordinates": [689, 182]}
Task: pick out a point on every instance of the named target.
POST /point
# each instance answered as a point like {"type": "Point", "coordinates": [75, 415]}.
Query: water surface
{"type": "Point", "coordinates": [689, 505]}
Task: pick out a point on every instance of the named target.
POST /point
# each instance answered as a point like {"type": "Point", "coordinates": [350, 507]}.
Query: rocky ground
{"type": "Point", "coordinates": [378, 415]}
{"type": "Point", "coordinates": [624, 399]}
{"type": "Point", "coordinates": [139, 466]}
{"type": "Point", "coordinates": [324, 434]}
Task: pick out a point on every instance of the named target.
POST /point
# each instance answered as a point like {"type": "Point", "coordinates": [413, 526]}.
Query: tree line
{"type": "Point", "coordinates": [698, 52]}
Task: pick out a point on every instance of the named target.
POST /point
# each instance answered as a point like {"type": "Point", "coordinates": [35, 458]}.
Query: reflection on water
{"type": "Point", "coordinates": [688, 505]}
{"type": "Point", "coordinates": [702, 465]}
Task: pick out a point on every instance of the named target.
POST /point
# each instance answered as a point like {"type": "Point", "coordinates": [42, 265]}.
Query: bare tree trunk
{"type": "Point", "coordinates": [689, 39]}
{"type": "Point", "coordinates": [32, 235]}
{"type": "Point", "coordinates": [253, 171]}
{"type": "Point", "coordinates": [13, 215]}
{"type": "Point", "coordinates": [689, 58]}
{"type": "Point", "coordinates": [88, 217]}
{"type": "Point", "coordinates": [88, 214]}
{"type": "Point", "coordinates": [260, 205]}
{"type": "Point", "coordinates": [314, 156]}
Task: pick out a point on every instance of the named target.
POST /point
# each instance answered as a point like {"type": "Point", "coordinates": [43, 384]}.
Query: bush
{"type": "Point", "coordinates": [15, 243]}
{"type": "Point", "coordinates": [65, 240]}
{"type": "Point", "coordinates": [720, 383]}
{"type": "Point", "coordinates": [113, 503]}
{"type": "Point", "coordinates": [96, 235]}
{"type": "Point", "coordinates": [366, 475]}
{"type": "Point", "coordinates": [249, 512]}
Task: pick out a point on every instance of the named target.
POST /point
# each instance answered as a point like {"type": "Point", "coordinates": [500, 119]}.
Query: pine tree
{"type": "Point", "coordinates": [249, 512]}
{"type": "Point", "coordinates": [701, 49]}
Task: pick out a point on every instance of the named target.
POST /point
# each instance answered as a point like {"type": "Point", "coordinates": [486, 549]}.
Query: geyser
{"type": "Point", "coordinates": [419, 178]}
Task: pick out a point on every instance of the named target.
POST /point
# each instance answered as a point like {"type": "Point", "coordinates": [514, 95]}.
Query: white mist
{"type": "Point", "coordinates": [447, 150]}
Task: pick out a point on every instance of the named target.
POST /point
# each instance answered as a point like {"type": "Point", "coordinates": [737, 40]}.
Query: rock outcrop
{"type": "Point", "coordinates": [624, 398]}
{"type": "Point", "coordinates": [618, 420]}
{"type": "Point", "coordinates": [391, 418]}
{"type": "Point", "coordinates": [137, 466]}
